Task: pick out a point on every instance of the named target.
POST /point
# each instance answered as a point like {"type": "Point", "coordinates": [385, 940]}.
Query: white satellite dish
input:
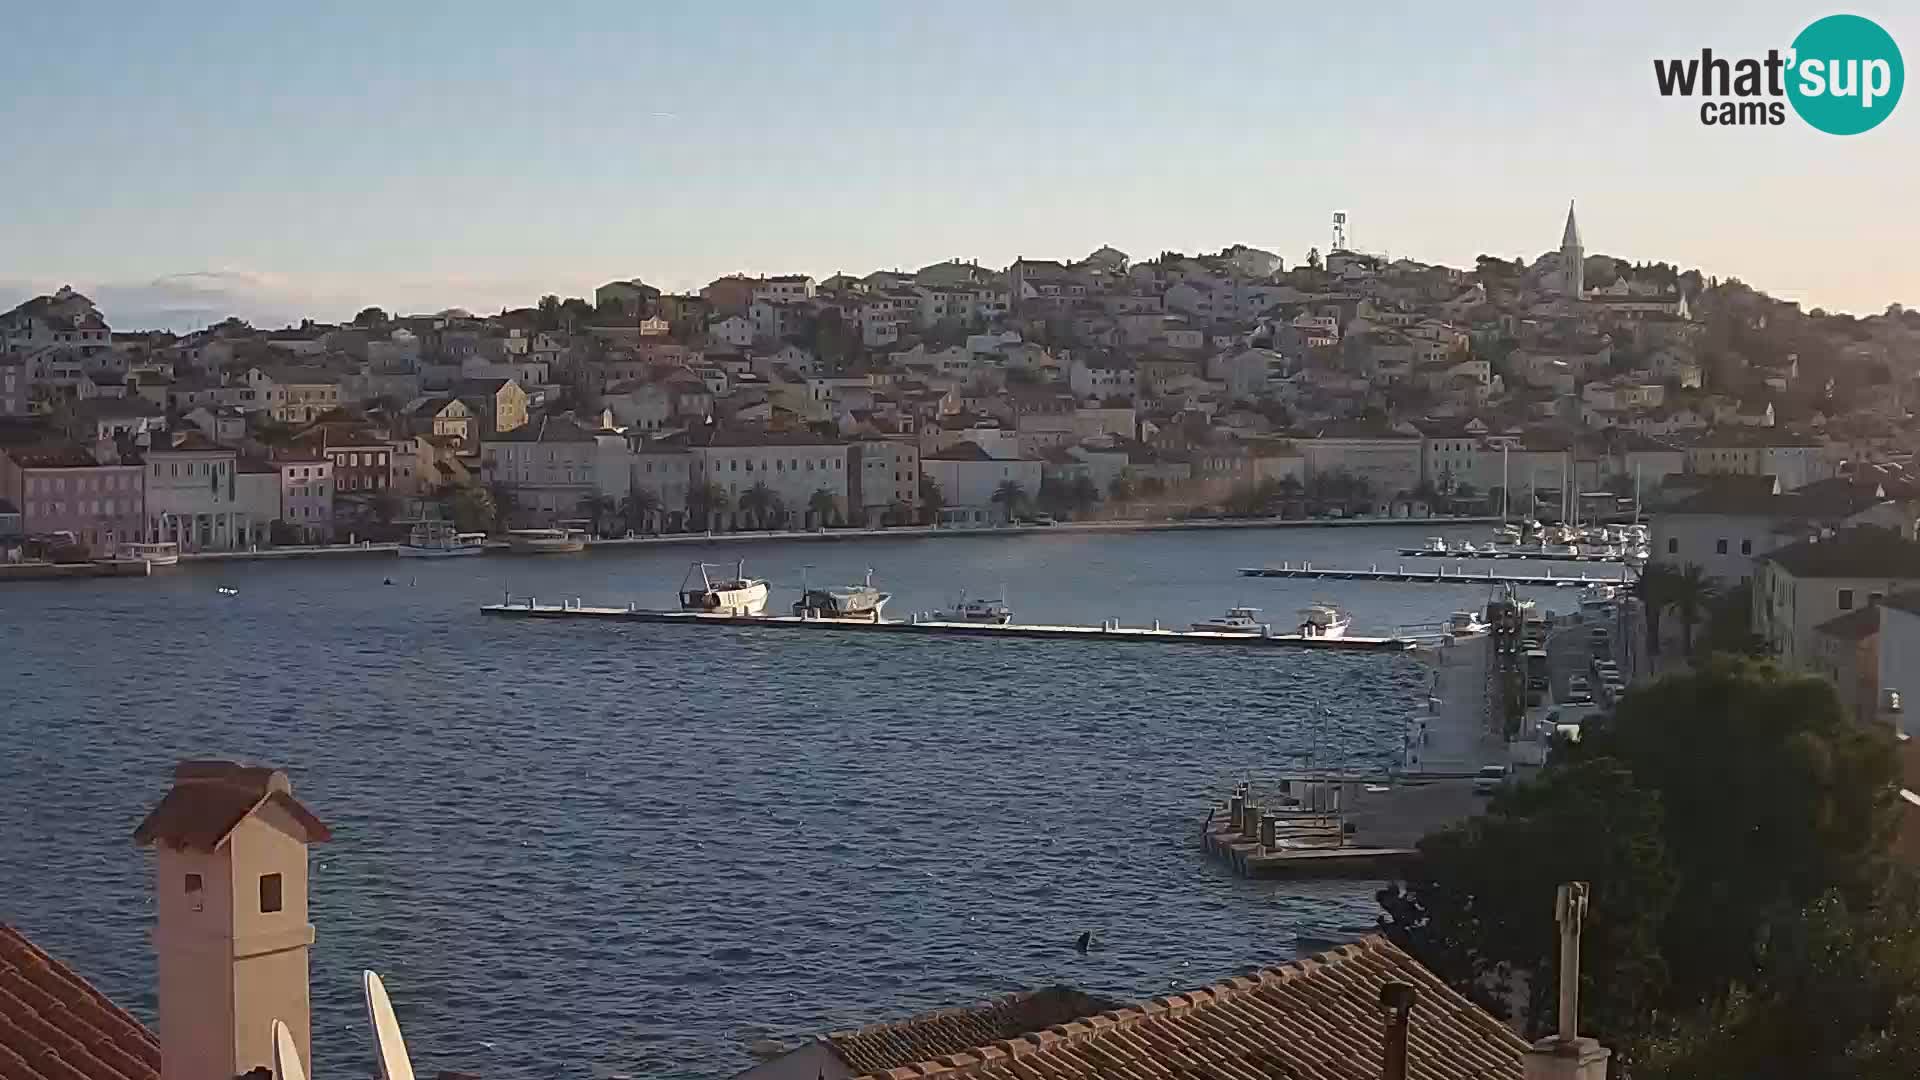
{"type": "Point", "coordinates": [392, 1049]}
{"type": "Point", "coordinates": [286, 1056]}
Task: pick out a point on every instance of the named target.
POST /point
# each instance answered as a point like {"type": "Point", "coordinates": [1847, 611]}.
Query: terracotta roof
{"type": "Point", "coordinates": [1314, 1019]}
{"type": "Point", "coordinates": [880, 1047]}
{"type": "Point", "coordinates": [1856, 625]}
{"type": "Point", "coordinates": [1863, 552]}
{"type": "Point", "coordinates": [210, 798]}
{"type": "Point", "coordinates": [55, 1026]}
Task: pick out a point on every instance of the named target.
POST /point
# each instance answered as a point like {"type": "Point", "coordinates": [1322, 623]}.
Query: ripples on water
{"type": "Point", "coordinates": [606, 848]}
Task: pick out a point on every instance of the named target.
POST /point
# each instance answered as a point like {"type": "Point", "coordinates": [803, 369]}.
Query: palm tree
{"type": "Point", "coordinates": [473, 510]}
{"type": "Point", "coordinates": [597, 509]}
{"type": "Point", "coordinates": [706, 503]}
{"type": "Point", "coordinates": [1693, 594]}
{"type": "Point", "coordinates": [1009, 496]}
{"type": "Point", "coordinates": [506, 503]}
{"type": "Point", "coordinates": [637, 509]}
{"type": "Point", "coordinates": [1654, 589]}
{"type": "Point", "coordinates": [1121, 490]}
{"type": "Point", "coordinates": [931, 497]}
{"type": "Point", "coordinates": [823, 506]}
{"type": "Point", "coordinates": [1085, 495]}
{"type": "Point", "coordinates": [757, 502]}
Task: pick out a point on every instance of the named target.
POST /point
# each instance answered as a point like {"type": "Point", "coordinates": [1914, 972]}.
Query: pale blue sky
{"type": "Point", "coordinates": [422, 155]}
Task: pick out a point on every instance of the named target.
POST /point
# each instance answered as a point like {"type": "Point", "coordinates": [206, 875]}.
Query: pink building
{"type": "Point", "coordinates": [306, 497]}
{"type": "Point", "coordinates": [67, 490]}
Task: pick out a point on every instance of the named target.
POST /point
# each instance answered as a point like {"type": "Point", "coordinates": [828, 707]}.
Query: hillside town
{"type": "Point", "coordinates": [1221, 384]}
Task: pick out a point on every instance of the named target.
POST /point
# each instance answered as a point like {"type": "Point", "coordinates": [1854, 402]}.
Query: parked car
{"type": "Point", "coordinates": [1599, 635]}
{"type": "Point", "coordinates": [1489, 779]}
{"type": "Point", "coordinates": [1579, 690]}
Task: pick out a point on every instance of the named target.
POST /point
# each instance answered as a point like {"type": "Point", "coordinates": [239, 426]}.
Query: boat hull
{"type": "Point", "coordinates": [546, 547]}
{"type": "Point", "coordinates": [408, 551]}
{"type": "Point", "coordinates": [748, 600]}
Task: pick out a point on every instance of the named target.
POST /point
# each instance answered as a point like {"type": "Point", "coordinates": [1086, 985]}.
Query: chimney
{"type": "Point", "coordinates": [231, 934]}
{"type": "Point", "coordinates": [1396, 1002]}
{"type": "Point", "coordinates": [1565, 1055]}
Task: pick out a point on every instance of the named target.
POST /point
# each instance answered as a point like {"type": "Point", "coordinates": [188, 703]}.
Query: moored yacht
{"type": "Point", "coordinates": [1321, 619]}
{"type": "Point", "coordinates": [857, 602]}
{"type": "Point", "coordinates": [1466, 623]}
{"type": "Point", "coordinates": [438, 540]}
{"type": "Point", "coordinates": [1237, 620]}
{"type": "Point", "coordinates": [163, 553]}
{"type": "Point", "coordinates": [546, 541]}
{"type": "Point", "coordinates": [976, 610]}
{"type": "Point", "coordinates": [737, 595]}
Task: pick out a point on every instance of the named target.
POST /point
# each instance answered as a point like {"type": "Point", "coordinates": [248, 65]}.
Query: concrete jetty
{"type": "Point", "coordinates": [97, 568]}
{"type": "Point", "coordinates": [531, 608]}
{"type": "Point", "coordinates": [1523, 554]}
{"type": "Point", "coordinates": [1458, 575]}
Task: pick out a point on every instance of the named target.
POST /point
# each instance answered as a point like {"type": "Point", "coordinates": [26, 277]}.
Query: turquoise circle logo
{"type": "Point", "coordinates": [1847, 75]}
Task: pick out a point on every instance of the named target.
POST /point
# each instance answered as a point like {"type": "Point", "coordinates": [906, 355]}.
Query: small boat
{"type": "Point", "coordinates": [1507, 535]}
{"type": "Point", "coordinates": [1598, 595]}
{"type": "Point", "coordinates": [976, 610]}
{"type": "Point", "coordinates": [1238, 620]}
{"type": "Point", "coordinates": [860, 603]}
{"type": "Point", "coordinates": [1322, 619]}
{"type": "Point", "coordinates": [438, 540]}
{"type": "Point", "coordinates": [227, 591]}
{"type": "Point", "coordinates": [1437, 546]}
{"type": "Point", "coordinates": [1465, 623]}
{"type": "Point", "coordinates": [1467, 548]}
{"type": "Point", "coordinates": [546, 541]}
{"type": "Point", "coordinates": [738, 595]}
{"type": "Point", "coordinates": [164, 553]}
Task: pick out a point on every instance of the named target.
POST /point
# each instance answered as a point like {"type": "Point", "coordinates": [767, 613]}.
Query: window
{"type": "Point", "coordinates": [269, 892]}
{"type": "Point", "coordinates": [1746, 547]}
{"type": "Point", "coordinates": [196, 893]}
{"type": "Point", "coordinates": [1846, 599]}
{"type": "Point", "coordinates": [1720, 546]}
{"type": "Point", "coordinates": [1673, 545]}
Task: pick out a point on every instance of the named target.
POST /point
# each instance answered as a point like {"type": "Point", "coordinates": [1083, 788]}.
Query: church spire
{"type": "Point", "coordinates": [1571, 237]}
{"type": "Point", "coordinates": [1573, 271]}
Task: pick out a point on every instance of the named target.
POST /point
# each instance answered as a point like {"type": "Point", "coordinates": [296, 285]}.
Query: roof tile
{"type": "Point", "coordinates": [55, 1026]}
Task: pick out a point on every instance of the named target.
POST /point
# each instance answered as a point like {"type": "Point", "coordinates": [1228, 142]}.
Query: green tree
{"type": "Point", "coordinates": [1693, 593]}
{"type": "Point", "coordinates": [386, 506]}
{"type": "Point", "coordinates": [371, 318]}
{"type": "Point", "coordinates": [824, 507]}
{"type": "Point", "coordinates": [506, 504]}
{"type": "Point", "coordinates": [1120, 491]}
{"type": "Point", "coordinates": [549, 310]}
{"type": "Point", "coordinates": [757, 502]}
{"type": "Point", "coordinates": [1056, 495]}
{"type": "Point", "coordinates": [1085, 494]}
{"type": "Point", "coordinates": [707, 502]}
{"type": "Point", "coordinates": [473, 510]}
{"type": "Point", "coordinates": [598, 510]}
{"type": "Point", "coordinates": [638, 508]}
{"type": "Point", "coordinates": [1654, 588]}
{"type": "Point", "coordinates": [1009, 497]}
{"type": "Point", "coordinates": [931, 498]}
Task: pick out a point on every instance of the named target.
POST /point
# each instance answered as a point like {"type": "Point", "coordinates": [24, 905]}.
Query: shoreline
{"type": "Point", "coordinates": [899, 532]}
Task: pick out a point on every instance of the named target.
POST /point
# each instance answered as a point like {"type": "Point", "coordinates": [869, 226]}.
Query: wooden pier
{"type": "Point", "coordinates": [530, 608]}
{"type": "Point", "coordinates": [1459, 575]}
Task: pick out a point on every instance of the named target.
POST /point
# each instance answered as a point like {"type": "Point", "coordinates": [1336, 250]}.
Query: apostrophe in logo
{"type": "Point", "coordinates": [1843, 75]}
{"type": "Point", "coordinates": [1847, 74]}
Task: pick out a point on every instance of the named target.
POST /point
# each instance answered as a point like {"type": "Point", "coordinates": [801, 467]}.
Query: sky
{"type": "Point", "coordinates": [183, 162]}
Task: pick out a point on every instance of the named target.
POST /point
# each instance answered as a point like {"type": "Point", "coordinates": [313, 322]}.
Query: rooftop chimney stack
{"type": "Point", "coordinates": [1565, 1055]}
{"type": "Point", "coordinates": [1396, 1001]}
{"type": "Point", "coordinates": [231, 932]}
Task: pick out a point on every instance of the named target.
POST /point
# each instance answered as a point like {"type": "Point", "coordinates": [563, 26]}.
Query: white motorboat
{"type": "Point", "coordinates": [1598, 595]}
{"type": "Point", "coordinates": [1322, 619]}
{"type": "Point", "coordinates": [1465, 623]}
{"type": "Point", "coordinates": [164, 553]}
{"type": "Point", "coordinates": [1238, 620]}
{"type": "Point", "coordinates": [438, 540]}
{"type": "Point", "coordinates": [1507, 536]}
{"type": "Point", "coordinates": [1467, 548]}
{"type": "Point", "coordinates": [861, 603]}
{"type": "Point", "coordinates": [976, 610]}
{"type": "Point", "coordinates": [546, 541]}
{"type": "Point", "coordinates": [1437, 546]}
{"type": "Point", "coordinates": [738, 595]}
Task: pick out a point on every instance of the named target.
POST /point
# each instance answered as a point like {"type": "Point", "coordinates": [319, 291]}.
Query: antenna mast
{"type": "Point", "coordinates": [1340, 230]}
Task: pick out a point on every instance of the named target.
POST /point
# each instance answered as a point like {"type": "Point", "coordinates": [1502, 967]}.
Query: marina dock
{"type": "Point", "coordinates": [530, 608]}
{"type": "Point", "coordinates": [1459, 575]}
{"type": "Point", "coordinates": [1534, 554]}
{"type": "Point", "coordinates": [98, 568]}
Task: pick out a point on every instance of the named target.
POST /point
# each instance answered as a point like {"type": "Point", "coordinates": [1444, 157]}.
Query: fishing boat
{"type": "Point", "coordinates": [738, 595]}
{"type": "Point", "coordinates": [546, 541]}
{"type": "Point", "coordinates": [438, 540]}
{"type": "Point", "coordinates": [976, 610]}
{"type": "Point", "coordinates": [1321, 619]}
{"type": "Point", "coordinates": [1598, 595]}
{"type": "Point", "coordinates": [1237, 620]}
{"type": "Point", "coordinates": [164, 553]}
{"type": "Point", "coordinates": [1507, 536]}
{"type": "Point", "coordinates": [861, 603]}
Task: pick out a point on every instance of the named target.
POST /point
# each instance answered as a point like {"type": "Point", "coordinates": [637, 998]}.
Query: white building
{"type": "Point", "coordinates": [1798, 587]}
{"type": "Point", "coordinates": [306, 497]}
{"type": "Point", "coordinates": [968, 476]}
{"type": "Point", "coordinates": [793, 465]}
{"type": "Point", "coordinates": [734, 330]}
{"type": "Point", "coordinates": [548, 465]}
{"type": "Point", "coordinates": [192, 495]}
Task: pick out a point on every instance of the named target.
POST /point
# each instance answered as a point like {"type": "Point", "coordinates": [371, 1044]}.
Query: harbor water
{"type": "Point", "coordinates": [585, 849]}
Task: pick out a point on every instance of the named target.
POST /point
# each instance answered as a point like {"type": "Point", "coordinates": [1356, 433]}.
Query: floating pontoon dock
{"type": "Point", "coordinates": [1459, 575]}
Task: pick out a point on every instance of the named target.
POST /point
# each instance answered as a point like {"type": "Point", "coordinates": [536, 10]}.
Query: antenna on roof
{"type": "Point", "coordinates": [387, 1043]}
{"type": "Point", "coordinates": [1339, 230]}
{"type": "Point", "coordinates": [286, 1056]}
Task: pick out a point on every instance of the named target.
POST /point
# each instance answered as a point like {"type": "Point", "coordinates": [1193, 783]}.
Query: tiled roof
{"type": "Point", "coordinates": [1314, 1019]}
{"type": "Point", "coordinates": [210, 798]}
{"type": "Point", "coordinates": [55, 1026]}
{"type": "Point", "coordinates": [880, 1047]}
{"type": "Point", "coordinates": [1856, 625]}
{"type": "Point", "coordinates": [1863, 552]}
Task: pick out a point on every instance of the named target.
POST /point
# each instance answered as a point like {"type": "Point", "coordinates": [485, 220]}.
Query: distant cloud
{"type": "Point", "coordinates": [194, 299]}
